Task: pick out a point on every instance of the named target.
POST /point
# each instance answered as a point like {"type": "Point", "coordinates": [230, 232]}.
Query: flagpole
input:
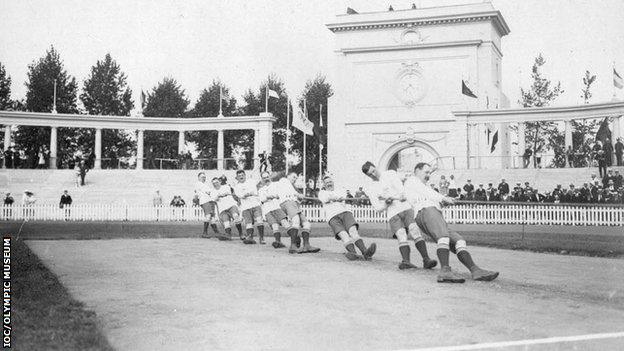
{"type": "Point", "coordinates": [287, 142]}
{"type": "Point", "coordinates": [613, 83]}
{"type": "Point", "coordinates": [266, 99]}
{"type": "Point", "coordinates": [54, 102]}
{"type": "Point", "coordinates": [320, 175]}
{"type": "Point", "coordinates": [220, 101]}
{"type": "Point", "coordinates": [305, 179]}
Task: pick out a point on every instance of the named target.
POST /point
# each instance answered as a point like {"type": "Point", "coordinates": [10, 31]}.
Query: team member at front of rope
{"type": "Point", "coordinates": [273, 213]}
{"type": "Point", "coordinates": [426, 203]}
{"type": "Point", "coordinates": [387, 193]}
{"type": "Point", "coordinates": [203, 189]}
{"type": "Point", "coordinates": [228, 210]}
{"type": "Point", "coordinates": [247, 192]}
{"type": "Point", "coordinates": [289, 202]}
{"type": "Point", "coordinates": [341, 220]}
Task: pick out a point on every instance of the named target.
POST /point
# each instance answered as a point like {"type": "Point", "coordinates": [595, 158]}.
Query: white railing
{"type": "Point", "coordinates": [513, 213]}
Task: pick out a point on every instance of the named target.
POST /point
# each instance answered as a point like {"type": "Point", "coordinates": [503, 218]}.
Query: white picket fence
{"type": "Point", "coordinates": [540, 214]}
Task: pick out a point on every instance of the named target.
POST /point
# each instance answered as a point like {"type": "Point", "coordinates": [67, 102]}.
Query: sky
{"type": "Point", "coordinates": [241, 42]}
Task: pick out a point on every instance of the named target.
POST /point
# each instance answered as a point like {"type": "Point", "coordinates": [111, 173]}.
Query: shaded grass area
{"type": "Point", "coordinates": [45, 316]}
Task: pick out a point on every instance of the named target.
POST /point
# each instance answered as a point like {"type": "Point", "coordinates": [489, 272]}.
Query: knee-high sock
{"type": "Point", "coordinates": [405, 252]}
{"type": "Point", "coordinates": [250, 232]}
{"type": "Point", "coordinates": [240, 229]}
{"type": "Point", "coordinates": [306, 237]}
{"type": "Point", "coordinates": [465, 258]}
{"type": "Point", "coordinates": [278, 236]}
{"type": "Point", "coordinates": [360, 245]}
{"type": "Point", "coordinates": [443, 251]}
{"type": "Point", "coordinates": [214, 227]}
{"type": "Point", "coordinates": [292, 232]}
{"type": "Point", "coordinates": [206, 227]}
{"type": "Point", "coordinates": [422, 249]}
{"type": "Point", "coordinates": [261, 231]}
{"type": "Point", "coordinates": [228, 231]}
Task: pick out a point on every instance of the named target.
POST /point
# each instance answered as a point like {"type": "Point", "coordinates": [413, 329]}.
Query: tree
{"type": "Point", "coordinates": [39, 98]}
{"type": "Point", "coordinates": [5, 89]}
{"type": "Point", "coordinates": [315, 93]}
{"type": "Point", "coordinates": [106, 92]}
{"type": "Point", "coordinates": [208, 106]}
{"type": "Point", "coordinates": [584, 130]}
{"type": "Point", "coordinates": [542, 134]}
{"type": "Point", "coordinates": [165, 100]}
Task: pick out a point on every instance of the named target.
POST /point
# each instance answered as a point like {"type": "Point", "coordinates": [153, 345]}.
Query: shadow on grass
{"type": "Point", "coordinates": [46, 317]}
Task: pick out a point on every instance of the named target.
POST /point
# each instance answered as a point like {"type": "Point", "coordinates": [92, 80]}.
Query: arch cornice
{"type": "Point", "coordinates": [401, 144]}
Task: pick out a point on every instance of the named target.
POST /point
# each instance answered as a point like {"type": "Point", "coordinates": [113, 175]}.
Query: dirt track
{"type": "Point", "coordinates": [199, 294]}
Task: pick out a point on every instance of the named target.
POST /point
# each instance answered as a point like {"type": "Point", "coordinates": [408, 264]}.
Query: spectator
{"type": "Point", "coordinates": [526, 157]}
{"type": "Point", "coordinates": [480, 193]}
{"type": "Point", "coordinates": [157, 200]}
{"type": "Point", "coordinates": [28, 200]}
{"type": "Point", "coordinates": [593, 179]}
{"type": "Point", "coordinates": [8, 157]}
{"type": "Point", "coordinates": [83, 172]}
{"type": "Point", "coordinates": [8, 199]}
{"type": "Point", "coordinates": [585, 193]}
{"type": "Point", "coordinates": [468, 187]}
{"type": "Point", "coordinates": [570, 156]}
{"type": "Point", "coordinates": [41, 161]}
{"type": "Point", "coordinates": [619, 150]}
{"type": "Point", "coordinates": [452, 187]}
{"type": "Point", "coordinates": [77, 174]}
{"type": "Point", "coordinates": [608, 152]}
{"type": "Point", "coordinates": [618, 180]}
{"type": "Point", "coordinates": [361, 197]}
{"type": "Point", "coordinates": [444, 185]}
{"type": "Point", "coordinates": [65, 203]}
{"type": "Point", "coordinates": [177, 201]}
{"type": "Point", "coordinates": [607, 178]}
{"type": "Point", "coordinates": [537, 158]}
{"type": "Point", "coordinates": [503, 188]}
{"type": "Point", "coordinates": [349, 195]}
{"type": "Point", "coordinates": [536, 196]}
{"type": "Point", "coordinates": [195, 200]}
{"type": "Point", "coordinates": [599, 155]}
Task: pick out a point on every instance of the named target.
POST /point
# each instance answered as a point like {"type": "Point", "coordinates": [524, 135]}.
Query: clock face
{"type": "Point", "coordinates": [411, 87]}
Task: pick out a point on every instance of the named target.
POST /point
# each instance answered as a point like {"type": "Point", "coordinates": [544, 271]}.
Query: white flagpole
{"type": "Point", "coordinates": [320, 143]}
{"type": "Point", "coordinates": [220, 101]}
{"type": "Point", "coordinates": [266, 99]}
{"type": "Point", "coordinates": [305, 179]}
{"type": "Point", "coordinates": [287, 142]}
{"type": "Point", "coordinates": [54, 102]}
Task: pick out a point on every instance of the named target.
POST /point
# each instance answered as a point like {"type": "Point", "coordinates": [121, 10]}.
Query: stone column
{"type": "Point", "coordinates": [220, 151]}
{"type": "Point", "coordinates": [53, 147]}
{"type": "Point", "coordinates": [139, 164]}
{"type": "Point", "coordinates": [181, 142]}
{"type": "Point", "coordinates": [98, 149]}
{"type": "Point", "coordinates": [568, 137]}
{"type": "Point", "coordinates": [521, 142]}
{"type": "Point", "coordinates": [7, 141]}
{"type": "Point", "coordinates": [479, 148]}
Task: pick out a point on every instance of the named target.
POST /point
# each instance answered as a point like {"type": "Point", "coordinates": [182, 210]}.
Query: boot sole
{"type": "Point", "coordinates": [451, 280]}
{"type": "Point", "coordinates": [430, 264]}
{"type": "Point", "coordinates": [351, 256]}
{"type": "Point", "coordinates": [487, 278]}
{"type": "Point", "coordinates": [404, 267]}
{"type": "Point", "coordinates": [224, 238]}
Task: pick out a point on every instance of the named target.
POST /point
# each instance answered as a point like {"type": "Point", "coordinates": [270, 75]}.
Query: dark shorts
{"type": "Point", "coordinates": [431, 221]}
{"type": "Point", "coordinates": [209, 208]}
{"type": "Point", "coordinates": [229, 215]}
{"type": "Point", "coordinates": [401, 220]}
{"type": "Point", "coordinates": [342, 222]}
{"type": "Point", "coordinates": [292, 209]}
{"type": "Point", "coordinates": [253, 215]}
{"type": "Point", "coordinates": [275, 216]}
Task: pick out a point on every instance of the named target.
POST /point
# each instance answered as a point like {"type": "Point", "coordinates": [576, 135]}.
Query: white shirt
{"type": "Point", "coordinates": [203, 191]}
{"type": "Point", "coordinates": [390, 184]}
{"type": "Point", "coordinates": [285, 190]}
{"type": "Point", "coordinates": [264, 192]}
{"type": "Point", "coordinates": [421, 195]}
{"type": "Point", "coordinates": [331, 206]}
{"type": "Point", "coordinates": [223, 202]}
{"type": "Point", "coordinates": [247, 188]}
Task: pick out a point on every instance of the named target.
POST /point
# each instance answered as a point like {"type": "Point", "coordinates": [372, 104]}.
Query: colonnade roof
{"type": "Point", "coordinates": [46, 119]}
{"type": "Point", "coordinates": [559, 113]}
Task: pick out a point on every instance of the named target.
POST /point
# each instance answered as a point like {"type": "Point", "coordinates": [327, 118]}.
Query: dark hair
{"type": "Point", "coordinates": [421, 165]}
{"type": "Point", "coordinates": [216, 178]}
{"type": "Point", "coordinates": [367, 166]}
{"type": "Point", "coordinates": [239, 172]}
{"type": "Point", "coordinates": [200, 173]}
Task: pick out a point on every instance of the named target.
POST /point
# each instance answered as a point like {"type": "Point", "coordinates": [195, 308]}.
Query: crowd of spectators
{"type": "Point", "coordinates": [608, 189]}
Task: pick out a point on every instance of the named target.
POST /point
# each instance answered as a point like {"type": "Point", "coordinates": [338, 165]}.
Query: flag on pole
{"type": "Point", "coordinates": [618, 82]}
{"type": "Point", "coordinates": [494, 142]}
{"type": "Point", "coordinates": [273, 94]}
{"type": "Point", "coordinates": [300, 122]}
{"type": "Point", "coordinates": [466, 91]}
{"type": "Point", "coordinates": [604, 132]}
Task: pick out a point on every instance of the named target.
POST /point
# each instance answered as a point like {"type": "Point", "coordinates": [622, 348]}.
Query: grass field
{"type": "Point", "coordinates": [188, 293]}
{"type": "Point", "coordinates": [46, 317]}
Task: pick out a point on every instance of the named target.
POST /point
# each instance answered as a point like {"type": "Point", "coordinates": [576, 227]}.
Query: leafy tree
{"type": "Point", "coordinates": [584, 130]}
{"type": "Point", "coordinates": [5, 89]}
{"type": "Point", "coordinates": [168, 99]}
{"type": "Point", "coordinates": [106, 92]}
{"type": "Point", "coordinates": [315, 93]}
{"type": "Point", "coordinates": [543, 135]}
{"type": "Point", "coordinates": [39, 98]}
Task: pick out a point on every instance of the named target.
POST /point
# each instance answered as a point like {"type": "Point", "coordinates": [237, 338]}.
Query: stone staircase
{"type": "Point", "coordinates": [138, 187]}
